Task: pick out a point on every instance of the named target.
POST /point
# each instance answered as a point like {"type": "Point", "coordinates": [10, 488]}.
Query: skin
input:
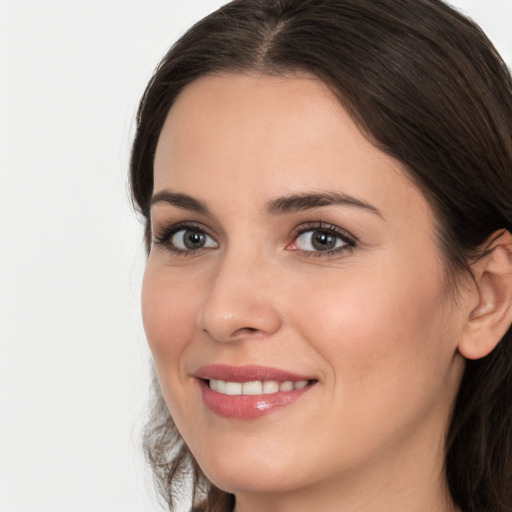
{"type": "Point", "coordinates": [374, 323]}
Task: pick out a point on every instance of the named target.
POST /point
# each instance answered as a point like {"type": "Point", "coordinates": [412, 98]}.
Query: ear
{"type": "Point", "coordinates": [491, 310]}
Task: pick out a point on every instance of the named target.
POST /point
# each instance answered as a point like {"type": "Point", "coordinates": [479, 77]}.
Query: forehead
{"type": "Point", "coordinates": [231, 135]}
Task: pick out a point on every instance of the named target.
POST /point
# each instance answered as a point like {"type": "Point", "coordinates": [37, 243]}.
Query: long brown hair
{"type": "Point", "coordinates": [427, 87]}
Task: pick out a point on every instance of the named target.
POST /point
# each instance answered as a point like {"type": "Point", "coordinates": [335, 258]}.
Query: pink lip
{"type": "Point", "coordinates": [247, 373]}
{"type": "Point", "coordinates": [247, 406]}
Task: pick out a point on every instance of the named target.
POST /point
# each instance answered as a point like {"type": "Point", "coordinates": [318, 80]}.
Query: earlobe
{"type": "Point", "coordinates": [491, 317]}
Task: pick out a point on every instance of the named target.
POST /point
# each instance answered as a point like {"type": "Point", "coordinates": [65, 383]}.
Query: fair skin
{"type": "Point", "coordinates": [368, 317]}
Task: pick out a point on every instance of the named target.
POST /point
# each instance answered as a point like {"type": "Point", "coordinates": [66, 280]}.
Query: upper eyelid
{"type": "Point", "coordinates": [325, 226]}
{"type": "Point", "coordinates": [177, 226]}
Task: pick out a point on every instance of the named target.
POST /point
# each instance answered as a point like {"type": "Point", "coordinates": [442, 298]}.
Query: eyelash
{"type": "Point", "coordinates": [164, 238]}
{"type": "Point", "coordinates": [349, 241]}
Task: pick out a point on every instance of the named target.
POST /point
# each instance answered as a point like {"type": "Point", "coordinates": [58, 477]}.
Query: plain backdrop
{"type": "Point", "coordinates": [74, 365]}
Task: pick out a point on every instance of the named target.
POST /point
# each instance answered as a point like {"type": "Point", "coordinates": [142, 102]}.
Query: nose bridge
{"type": "Point", "coordinates": [239, 301]}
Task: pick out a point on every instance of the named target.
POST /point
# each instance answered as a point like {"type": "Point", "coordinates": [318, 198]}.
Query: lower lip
{"type": "Point", "coordinates": [248, 407]}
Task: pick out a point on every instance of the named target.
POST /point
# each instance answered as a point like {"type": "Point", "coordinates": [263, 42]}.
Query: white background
{"type": "Point", "coordinates": [73, 359]}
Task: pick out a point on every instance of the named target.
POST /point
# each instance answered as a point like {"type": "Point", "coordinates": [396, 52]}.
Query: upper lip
{"type": "Point", "coordinates": [247, 373]}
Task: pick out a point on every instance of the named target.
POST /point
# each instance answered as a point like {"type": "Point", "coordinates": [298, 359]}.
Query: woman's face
{"type": "Point", "coordinates": [294, 268]}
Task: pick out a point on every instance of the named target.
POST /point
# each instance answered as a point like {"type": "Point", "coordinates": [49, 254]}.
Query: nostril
{"type": "Point", "coordinates": [247, 331]}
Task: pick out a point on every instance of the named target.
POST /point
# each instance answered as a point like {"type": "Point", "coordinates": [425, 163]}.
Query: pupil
{"type": "Point", "coordinates": [193, 239]}
{"type": "Point", "coordinates": [323, 241]}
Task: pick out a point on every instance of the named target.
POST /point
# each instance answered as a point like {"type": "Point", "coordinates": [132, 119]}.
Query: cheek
{"type": "Point", "coordinates": [384, 335]}
{"type": "Point", "coordinates": [169, 317]}
{"type": "Point", "coordinates": [167, 313]}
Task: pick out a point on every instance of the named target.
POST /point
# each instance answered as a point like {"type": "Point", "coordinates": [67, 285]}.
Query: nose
{"type": "Point", "coordinates": [240, 303]}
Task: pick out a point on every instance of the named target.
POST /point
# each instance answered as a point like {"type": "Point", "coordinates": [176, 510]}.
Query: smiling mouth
{"type": "Point", "coordinates": [255, 387]}
{"type": "Point", "coordinates": [251, 391]}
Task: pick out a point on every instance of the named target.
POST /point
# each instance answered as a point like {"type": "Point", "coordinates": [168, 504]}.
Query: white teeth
{"type": "Point", "coordinates": [221, 386]}
{"type": "Point", "coordinates": [301, 384]}
{"type": "Point", "coordinates": [252, 388]}
{"type": "Point", "coordinates": [233, 388]}
{"type": "Point", "coordinates": [256, 387]}
{"type": "Point", "coordinates": [287, 385]}
{"type": "Point", "coordinates": [270, 386]}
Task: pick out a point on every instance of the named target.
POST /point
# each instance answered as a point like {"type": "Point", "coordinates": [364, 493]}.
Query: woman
{"type": "Point", "coordinates": [327, 193]}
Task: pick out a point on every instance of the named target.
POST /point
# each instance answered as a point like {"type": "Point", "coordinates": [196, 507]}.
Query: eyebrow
{"type": "Point", "coordinates": [279, 206]}
{"type": "Point", "coordinates": [301, 202]}
{"type": "Point", "coordinates": [182, 201]}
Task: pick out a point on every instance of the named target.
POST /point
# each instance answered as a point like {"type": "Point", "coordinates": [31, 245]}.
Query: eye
{"type": "Point", "coordinates": [189, 239]}
{"type": "Point", "coordinates": [185, 239]}
{"type": "Point", "coordinates": [322, 239]}
{"type": "Point", "coordinates": [318, 240]}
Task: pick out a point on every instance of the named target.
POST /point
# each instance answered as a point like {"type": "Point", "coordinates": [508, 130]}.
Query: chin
{"type": "Point", "coordinates": [253, 480]}
{"type": "Point", "coordinates": [255, 473]}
